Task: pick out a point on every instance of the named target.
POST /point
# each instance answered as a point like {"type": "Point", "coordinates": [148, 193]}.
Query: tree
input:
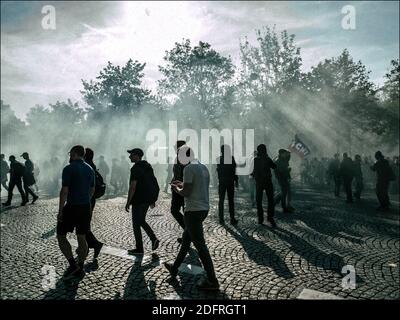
{"type": "Point", "coordinates": [197, 76]}
{"type": "Point", "coordinates": [117, 90]}
{"type": "Point", "coordinates": [348, 94]}
{"type": "Point", "coordinates": [12, 128]}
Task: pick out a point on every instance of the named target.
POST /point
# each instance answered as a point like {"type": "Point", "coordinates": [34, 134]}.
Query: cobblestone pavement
{"type": "Point", "coordinates": [306, 251]}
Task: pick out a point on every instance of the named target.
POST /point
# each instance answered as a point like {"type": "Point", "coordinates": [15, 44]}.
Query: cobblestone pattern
{"type": "Point", "coordinates": [307, 250]}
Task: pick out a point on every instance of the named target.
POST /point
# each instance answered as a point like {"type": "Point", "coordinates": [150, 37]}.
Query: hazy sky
{"type": "Point", "coordinates": [40, 66]}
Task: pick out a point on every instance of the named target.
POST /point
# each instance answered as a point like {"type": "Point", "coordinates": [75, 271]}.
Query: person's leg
{"type": "Point", "coordinates": [184, 249]}
{"type": "Point", "coordinates": [137, 222]}
{"type": "Point", "coordinates": [378, 191]}
{"type": "Point", "coordinates": [221, 200]}
{"type": "Point", "coordinates": [252, 188]}
{"type": "Point", "coordinates": [195, 229]}
{"type": "Point", "coordinates": [146, 227]}
{"type": "Point", "coordinates": [10, 191]}
{"type": "Point", "coordinates": [91, 240]}
{"type": "Point", "coordinates": [284, 191]}
{"type": "Point", "coordinates": [177, 202]}
{"type": "Point", "coordinates": [385, 195]}
{"type": "Point", "coordinates": [65, 246]}
{"type": "Point", "coordinates": [271, 205]}
{"type": "Point", "coordinates": [231, 202]}
{"type": "Point", "coordinates": [259, 196]}
{"type": "Point", "coordinates": [4, 184]}
{"type": "Point", "coordinates": [24, 197]}
{"type": "Point", "coordinates": [82, 249]}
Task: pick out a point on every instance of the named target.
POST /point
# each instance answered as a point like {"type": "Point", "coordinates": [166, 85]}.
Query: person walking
{"type": "Point", "coordinates": [29, 178]}
{"type": "Point", "coordinates": [17, 172]}
{"type": "Point", "coordinates": [195, 190]}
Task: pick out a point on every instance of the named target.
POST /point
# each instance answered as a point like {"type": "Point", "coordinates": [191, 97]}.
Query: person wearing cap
{"type": "Point", "coordinates": [141, 171]}
{"type": "Point", "coordinates": [263, 177]}
{"type": "Point", "coordinates": [29, 179]}
{"type": "Point", "coordinates": [195, 190]}
{"type": "Point", "coordinates": [5, 169]}
{"type": "Point", "coordinates": [17, 171]}
{"type": "Point", "coordinates": [282, 174]}
{"type": "Point", "coordinates": [383, 177]}
{"type": "Point", "coordinates": [74, 213]}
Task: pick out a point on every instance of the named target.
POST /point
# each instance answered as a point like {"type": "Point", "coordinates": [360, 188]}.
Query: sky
{"type": "Point", "coordinates": [41, 66]}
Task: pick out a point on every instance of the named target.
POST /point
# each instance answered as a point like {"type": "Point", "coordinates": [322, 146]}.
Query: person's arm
{"type": "Point", "coordinates": [185, 189]}
{"type": "Point", "coordinates": [63, 199]}
{"type": "Point", "coordinates": [132, 189]}
{"type": "Point", "coordinates": [272, 164]}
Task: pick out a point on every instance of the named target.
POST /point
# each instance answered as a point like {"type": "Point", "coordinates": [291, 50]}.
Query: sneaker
{"type": "Point", "coordinates": [272, 222]}
{"type": "Point", "coordinates": [97, 250]}
{"type": "Point", "coordinates": [34, 199]}
{"type": "Point", "coordinates": [206, 284]}
{"type": "Point", "coordinates": [135, 252]}
{"type": "Point", "coordinates": [234, 222]}
{"type": "Point", "coordinates": [170, 268]}
{"type": "Point", "coordinates": [155, 244]}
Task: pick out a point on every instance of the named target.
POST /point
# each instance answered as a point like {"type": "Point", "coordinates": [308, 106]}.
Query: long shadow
{"type": "Point", "coordinates": [261, 254]}
{"type": "Point", "coordinates": [136, 286]}
{"type": "Point", "coordinates": [64, 289]}
{"type": "Point", "coordinates": [313, 255]}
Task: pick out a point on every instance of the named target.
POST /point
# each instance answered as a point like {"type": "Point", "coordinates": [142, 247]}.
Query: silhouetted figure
{"type": "Point", "coordinates": [195, 189]}
{"type": "Point", "coordinates": [334, 173]}
{"type": "Point", "coordinates": [282, 174]}
{"type": "Point", "coordinates": [115, 173]}
{"type": "Point", "coordinates": [168, 180]}
{"type": "Point", "coordinates": [29, 179]}
{"type": "Point", "coordinates": [123, 174]}
{"type": "Point", "coordinates": [138, 197]}
{"type": "Point", "coordinates": [384, 175]}
{"type": "Point", "coordinates": [103, 168]}
{"type": "Point", "coordinates": [17, 172]}
{"type": "Point", "coordinates": [358, 177]}
{"type": "Point", "coordinates": [78, 186]}
{"type": "Point", "coordinates": [252, 182]}
{"type": "Point", "coordinates": [5, 169]}
{"type": "Point", "coordinates": [177, 201]}
{"type": "Point", "coordinates": [227, 180]}
{"type": "Point", "coordinates": [263, 177]}
{"type": "Point", "coordinates": [347, 174]}
{"type": "Point", "coordinates": [91, 240]}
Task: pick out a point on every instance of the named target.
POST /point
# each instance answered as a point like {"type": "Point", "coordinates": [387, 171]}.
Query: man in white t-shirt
{"type": "Point", "coordinates": [195, 190]}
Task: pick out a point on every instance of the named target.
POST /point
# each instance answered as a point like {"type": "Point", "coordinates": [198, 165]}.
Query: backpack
{"type": "Point", "coordinates": [100, 186]}
{"type": "Point", "coordinates": [152, 188]}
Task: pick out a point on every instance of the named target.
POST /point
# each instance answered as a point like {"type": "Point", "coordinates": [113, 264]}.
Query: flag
{"type": "Point", "coordinates": [298, 147]}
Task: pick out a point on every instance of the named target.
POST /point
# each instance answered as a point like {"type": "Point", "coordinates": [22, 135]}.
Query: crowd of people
{"type": "Point", "coordinates": [82, 182]}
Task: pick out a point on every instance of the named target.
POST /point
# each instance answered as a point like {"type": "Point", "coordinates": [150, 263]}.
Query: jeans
{"type": "Point", "coordinates": [13, 183]}
{"type": "Point", "coordinates": [139, 221]}
{"type": "Point", "coordinates": [269, 190]}
{"type": "Point", "coordinates": [229, 188]}
{"type": "Point", "coordinates": [177, 203]}
{"type": "Point", "coordinates": [194, 233]}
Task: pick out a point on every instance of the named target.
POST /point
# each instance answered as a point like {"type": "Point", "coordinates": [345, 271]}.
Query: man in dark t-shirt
{"type": "Point", "coordinates": [78, 183]}
{"type": "Point", "coordinates": [137, 198]}
{"type": "Point", "coordinates": [17, 171]}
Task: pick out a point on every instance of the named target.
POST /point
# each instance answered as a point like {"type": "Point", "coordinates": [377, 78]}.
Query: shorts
{"type": "Point", "coordinates": [75, 217]}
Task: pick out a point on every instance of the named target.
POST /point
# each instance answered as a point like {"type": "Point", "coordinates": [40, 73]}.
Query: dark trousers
{"type": "Point", "coordinates": [139, 221]}
{"type": "Point", "coordinates": [90, 238]}
{"type": "Point", "coordinates": [285, 189]}
{"type": "Point", "coordinates": [269, 190]}
{"type": "Point", "coordinates": [177, 203]}
{"type": "Point", "coordinates": [4, 184]}
{"type": "Point", "coordinates": [18, 183]}
{"type": "Point", "coordinates": [229, 188]}
{"type": "Point", "coordinates": [252, 190]}
{"type": "Point", "coordinates": [28, 191]}
{"type": "Point", "coordinates": [337, 182]}
{"type": "Point", "coordinates": [382, 192]}
{"type": "Point", "coordinates": [359, 186]}
{"type": "Point", "coordinates": [194, 233]}
{"type": "Point", "coordinates": [347, 181]}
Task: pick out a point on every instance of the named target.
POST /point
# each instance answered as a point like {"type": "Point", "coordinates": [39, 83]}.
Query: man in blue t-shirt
{"type": "Point", "coordinates": [78, 184]}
